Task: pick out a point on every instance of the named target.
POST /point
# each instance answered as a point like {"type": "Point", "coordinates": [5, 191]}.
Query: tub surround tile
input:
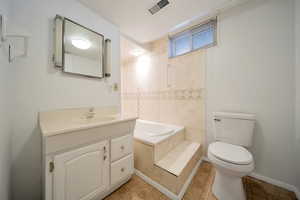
{"type": "Point", "coordinates": [166, 146]}
{"type": "Point", "coordinates": [172, 90]}
{"type": "Point", "coordinates": [194, 135]}
{"type": "Point", "coordinates": [171, 94]}
{"type": "Point", "coordinates": [177, 159]}
{"type": "Point", "coordinates": [144, 162]}
{"type": "Point", "coordinates": [149, 109]}
{"type": "Point", "coordinates": [130, 107]}
{"type": "Point", "coordinates": [143, 157]}
{"type": "Point", "coordinates": [167, 90]}
{"type": "Point", "coordinates": [189, 70]}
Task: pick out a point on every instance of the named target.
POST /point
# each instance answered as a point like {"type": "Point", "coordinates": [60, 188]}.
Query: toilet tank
{"type": "Point", "coordinates": [234, 128]}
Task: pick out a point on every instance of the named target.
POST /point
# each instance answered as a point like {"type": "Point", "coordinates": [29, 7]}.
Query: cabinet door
{"type": "Point", "coordinates": [83, 173]}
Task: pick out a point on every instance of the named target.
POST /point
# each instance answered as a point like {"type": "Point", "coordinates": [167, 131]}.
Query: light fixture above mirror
{"type": "Point", "coordinates": [80, 50]}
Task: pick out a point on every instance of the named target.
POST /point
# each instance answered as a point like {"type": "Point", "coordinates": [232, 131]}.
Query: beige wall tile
{"type": "Point", "coordinates": [129, 106]}
{"type": "Point", "coordinates": [149, 110]}
{"type": "Point", "coordinates": [151, 75]}
{"type": "Point", "coordinates": [144, 162]}
{"type": "Point", "coordinates": [166, 146]}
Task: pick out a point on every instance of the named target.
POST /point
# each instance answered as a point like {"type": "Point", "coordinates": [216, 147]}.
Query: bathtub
{"type": "Point", "coordinates": [153, 133]}
{"type": "Point", "coordinates": [155, 147]}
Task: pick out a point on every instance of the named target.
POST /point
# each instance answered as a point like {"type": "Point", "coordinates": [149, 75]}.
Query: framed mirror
{"type": "Point", "coordinates": [78, 49]}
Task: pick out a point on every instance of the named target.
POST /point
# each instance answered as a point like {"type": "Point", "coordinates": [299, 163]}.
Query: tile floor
{"type": "Point", "coordinates": [200, 189]}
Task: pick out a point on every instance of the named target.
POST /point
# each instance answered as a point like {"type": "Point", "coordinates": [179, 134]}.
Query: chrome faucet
{"type": "Point", "coordinates": [91, 113]}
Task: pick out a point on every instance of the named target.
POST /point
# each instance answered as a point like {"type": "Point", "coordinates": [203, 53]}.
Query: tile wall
{"type": "Point", "coordinates": [169, 90]}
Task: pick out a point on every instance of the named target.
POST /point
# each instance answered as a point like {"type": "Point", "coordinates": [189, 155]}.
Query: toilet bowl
{"type": "Point", "coordinates": [233, 134]}
{"type": "Point", "coordinates": [231, 162]}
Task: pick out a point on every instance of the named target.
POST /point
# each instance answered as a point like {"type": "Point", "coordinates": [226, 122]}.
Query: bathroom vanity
{"type": "Point", "coordinates": [87, 154]}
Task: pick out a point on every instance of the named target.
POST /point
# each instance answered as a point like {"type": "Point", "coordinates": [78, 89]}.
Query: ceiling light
{"type": "Point", "coordinates": [137, 52]}
{"type": "Point", "coordinates": [81, 43]}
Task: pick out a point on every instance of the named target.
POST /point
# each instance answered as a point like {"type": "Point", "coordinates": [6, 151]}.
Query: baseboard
{"type": "Point", "coordinates": [297, 192]}
{"type": "Point", "coordinates": [161, 188]}
{"type": "Point", "coordinates": [277, 183]}
{"type": "Point", "coordinates": [271, 181]}
{"type": "Point", "coordinates": [164, 190]}
{"type": "Point", "coordinates": [206, 159]}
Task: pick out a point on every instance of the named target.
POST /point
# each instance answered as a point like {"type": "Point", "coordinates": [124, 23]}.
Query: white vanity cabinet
{"type": "Point", "coordinates": [121, 158]}
{"type": "Point", "coordinates": [121, 147]}
{"type": "Point", "coordinates": [86, 163]}
{"type": "Point", "coordinates": [81, 173]}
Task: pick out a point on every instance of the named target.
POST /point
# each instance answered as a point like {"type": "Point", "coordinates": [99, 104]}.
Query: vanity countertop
{"type": "Point", "coordinates": [68, 120]}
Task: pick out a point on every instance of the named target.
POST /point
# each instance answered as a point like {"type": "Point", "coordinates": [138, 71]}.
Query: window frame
{"type": "Point", "coordinates": [190, 32]}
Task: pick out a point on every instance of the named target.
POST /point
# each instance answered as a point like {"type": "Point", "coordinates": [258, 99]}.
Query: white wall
{"type": "Point", "coordinates": [297, 82]}
{"type": "Point", "coordinates": [39, 86]}
{"type": "Point", "coordinates": [5, 134]}
{"type": "Point", "coordinates": [5, 131]}
{"type": "Point", "coordinates": [252, 70]}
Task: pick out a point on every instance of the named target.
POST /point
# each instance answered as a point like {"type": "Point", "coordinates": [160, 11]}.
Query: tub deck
{"type": "Point", "coordinates": [154, 133]}
{"type": "Point", "coordinates": [176, 160]}
{"type": "Point", "coordinates": [169, 160]}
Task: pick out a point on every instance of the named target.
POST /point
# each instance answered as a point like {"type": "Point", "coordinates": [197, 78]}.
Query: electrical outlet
{"type": "Point", "coordinates": [115, 87]}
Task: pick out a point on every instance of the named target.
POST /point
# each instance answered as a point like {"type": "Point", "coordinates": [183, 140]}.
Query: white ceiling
{"type": "Point", "coordinates": [135, 21]}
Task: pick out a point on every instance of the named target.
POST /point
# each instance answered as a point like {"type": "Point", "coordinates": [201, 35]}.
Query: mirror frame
{"type": "Point", "coordinates": [59, 40]}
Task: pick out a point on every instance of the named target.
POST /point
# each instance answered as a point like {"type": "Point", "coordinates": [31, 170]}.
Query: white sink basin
{"type": "Point", "coordinates": [70, 120]}
{"type": "Point", "coordinates": [95, 119]}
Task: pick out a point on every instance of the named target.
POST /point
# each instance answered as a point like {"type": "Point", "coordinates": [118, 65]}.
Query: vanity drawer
{"type": "Point", "coordinates": [121, 169]}
{"type": "Point", "coordinates": [121, 147]}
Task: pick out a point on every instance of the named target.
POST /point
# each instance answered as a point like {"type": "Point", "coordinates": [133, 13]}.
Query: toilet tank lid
{"type": "Point", "coordinates": [231, 115]}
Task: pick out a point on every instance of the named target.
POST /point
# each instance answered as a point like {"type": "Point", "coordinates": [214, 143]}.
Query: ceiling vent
{"type": "Point", "coordinates": [158, 6]}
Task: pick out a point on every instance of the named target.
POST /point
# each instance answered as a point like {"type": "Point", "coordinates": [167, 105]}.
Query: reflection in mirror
{"type": "Point", "coordinates": [82, 51]}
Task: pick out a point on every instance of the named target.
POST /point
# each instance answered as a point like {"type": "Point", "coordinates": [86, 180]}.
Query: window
{"type": "Point", "coordinates": [202, 36]}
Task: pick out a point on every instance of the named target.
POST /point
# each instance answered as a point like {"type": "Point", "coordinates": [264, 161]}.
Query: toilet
{"type": "Point", "coordinates": [229, 154]}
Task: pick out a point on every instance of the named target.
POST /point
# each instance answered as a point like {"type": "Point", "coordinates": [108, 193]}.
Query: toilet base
{"type": "Point", "coordinates": [228, 187]}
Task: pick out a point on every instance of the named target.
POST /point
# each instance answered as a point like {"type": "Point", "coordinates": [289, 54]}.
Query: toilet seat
{"type": "Point", "coordinates": [230, 153]}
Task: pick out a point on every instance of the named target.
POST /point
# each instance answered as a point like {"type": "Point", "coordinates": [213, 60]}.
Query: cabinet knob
{"type": "Point", "coordinates": [122, 169]}
{"type": "Point", "coordinates": [104, 157]}
{"type": "Point", "coordinates": [122, 147]}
